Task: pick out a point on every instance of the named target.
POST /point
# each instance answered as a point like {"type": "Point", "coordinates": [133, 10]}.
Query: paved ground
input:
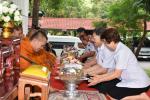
{"type": "Point", "coordinates": [145, 64]}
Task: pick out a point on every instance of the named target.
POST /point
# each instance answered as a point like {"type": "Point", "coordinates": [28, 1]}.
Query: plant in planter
{"type": "Point", "coordinates": [10, 16]}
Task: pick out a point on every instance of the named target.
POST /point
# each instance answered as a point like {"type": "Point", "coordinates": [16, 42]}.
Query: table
{"type": "Point", "coordinates": [84, 95]}
{"type": "Point", "coordinates": [8, 87]}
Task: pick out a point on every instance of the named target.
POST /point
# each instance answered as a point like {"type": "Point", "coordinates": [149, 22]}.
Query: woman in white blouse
{"type": "Point", "coordinates": [127, 78]}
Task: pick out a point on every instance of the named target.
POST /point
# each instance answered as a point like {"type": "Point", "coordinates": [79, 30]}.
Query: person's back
{"type": "Point", "coordinates": [130, 68]}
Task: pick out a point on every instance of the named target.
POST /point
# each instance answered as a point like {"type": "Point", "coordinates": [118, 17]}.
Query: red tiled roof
{"type": "Point", "coordinates": [64, 23]}
{"type": "Point", "coordinates": [68, 23]}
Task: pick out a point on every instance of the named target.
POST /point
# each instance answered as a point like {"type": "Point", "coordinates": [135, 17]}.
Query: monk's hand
{"type": "Point", "coordinates": [94, 80]}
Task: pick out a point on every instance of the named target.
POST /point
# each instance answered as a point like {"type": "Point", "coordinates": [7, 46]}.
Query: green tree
{"type": "Point", "coordinates": [126, 19]}
{"type": "Point", "coordinates": [71, 8]}
{"type": "Point", "coordinates": [100, 24]}
{"type": "Point", "coordinates": [128, 16]}
{"type": "Point", "coordinates": [143, 7]}
{"type": "Point", "coordinates": [61, 8]}
{"type": "Point", "coordinates": [51, 7]}
{"type": "Point", "coordinates": [100, 7]}
{"type": "Point", "coordinates": [76, 8]}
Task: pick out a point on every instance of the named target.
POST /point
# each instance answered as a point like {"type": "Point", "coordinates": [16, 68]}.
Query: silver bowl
{"type": "Point", "coordinates": [71, 77]}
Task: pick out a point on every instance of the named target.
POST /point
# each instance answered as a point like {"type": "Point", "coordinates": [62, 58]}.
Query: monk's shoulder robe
{"type": "Point", "coordinates": [49, 59]}
{"type": "Point", "coordinates": [28, 52]}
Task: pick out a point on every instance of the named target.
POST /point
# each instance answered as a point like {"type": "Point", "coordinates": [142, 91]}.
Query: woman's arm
{"type": "Point", "coordinates": [90, 63]}
{"type": "Point", "coordinates": [105, 77]}
{"type": "Point", "coordinates": [95, 70]}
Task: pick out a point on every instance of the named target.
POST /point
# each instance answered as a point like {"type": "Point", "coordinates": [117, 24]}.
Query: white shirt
{"type": "Point", "coordinates": [90, 47]}
{"type": "Point", "coordinates": [133, 76]}
{"type": "Point", "coordinates": [105, 57]}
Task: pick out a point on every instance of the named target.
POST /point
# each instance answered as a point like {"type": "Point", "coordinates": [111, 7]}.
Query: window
{"type": "Point", "coordinates": [59, 45]}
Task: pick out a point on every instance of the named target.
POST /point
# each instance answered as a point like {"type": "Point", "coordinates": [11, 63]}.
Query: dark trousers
{"type": "Point", "coordinates": [118, 93]}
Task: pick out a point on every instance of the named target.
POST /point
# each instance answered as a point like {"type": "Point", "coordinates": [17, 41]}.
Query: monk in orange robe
{"type": "Point", "coordinates": [32, 52]}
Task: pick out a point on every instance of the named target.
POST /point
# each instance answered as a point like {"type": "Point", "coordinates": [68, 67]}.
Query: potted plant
{"type": "Point", "coordinates": [10, 16]}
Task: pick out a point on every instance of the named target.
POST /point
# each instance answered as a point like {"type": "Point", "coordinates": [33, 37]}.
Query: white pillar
{"type": "Point", "coordinates": [24, 6]}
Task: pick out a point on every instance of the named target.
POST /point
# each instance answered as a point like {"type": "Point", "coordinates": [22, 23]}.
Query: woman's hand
{"type": "Point", "coordinates": [86, 65]}
{"type": "Point", "coordinates": [94, 80]}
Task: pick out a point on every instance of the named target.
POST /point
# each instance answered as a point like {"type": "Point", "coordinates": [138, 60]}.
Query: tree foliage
{"type": "Point", "coordinates": [143, 5]}
{"type": "Point", "coordinates": [74, 8]}
{"type": "Point", "coordinates": [100, 7]}
{"type": "Point", "coordinates": [125, 15]}
{"type": "Point", "coordinates": [100, 24]}
{"type": "Point", "coordinates": [126, 19]}
{"type": "Point", "coordinates": [130, 16]}
{"type": "Point", "coordinates": [62, 8]}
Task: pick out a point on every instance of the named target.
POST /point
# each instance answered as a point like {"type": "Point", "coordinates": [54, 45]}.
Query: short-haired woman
{"type": "Point", "coordinates": [127, 78]}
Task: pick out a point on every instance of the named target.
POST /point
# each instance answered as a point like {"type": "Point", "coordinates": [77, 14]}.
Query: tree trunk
{"type": "Point", "coordinates": [142, 39]}
{"type": "Point", "coordinates": [35, 13]}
